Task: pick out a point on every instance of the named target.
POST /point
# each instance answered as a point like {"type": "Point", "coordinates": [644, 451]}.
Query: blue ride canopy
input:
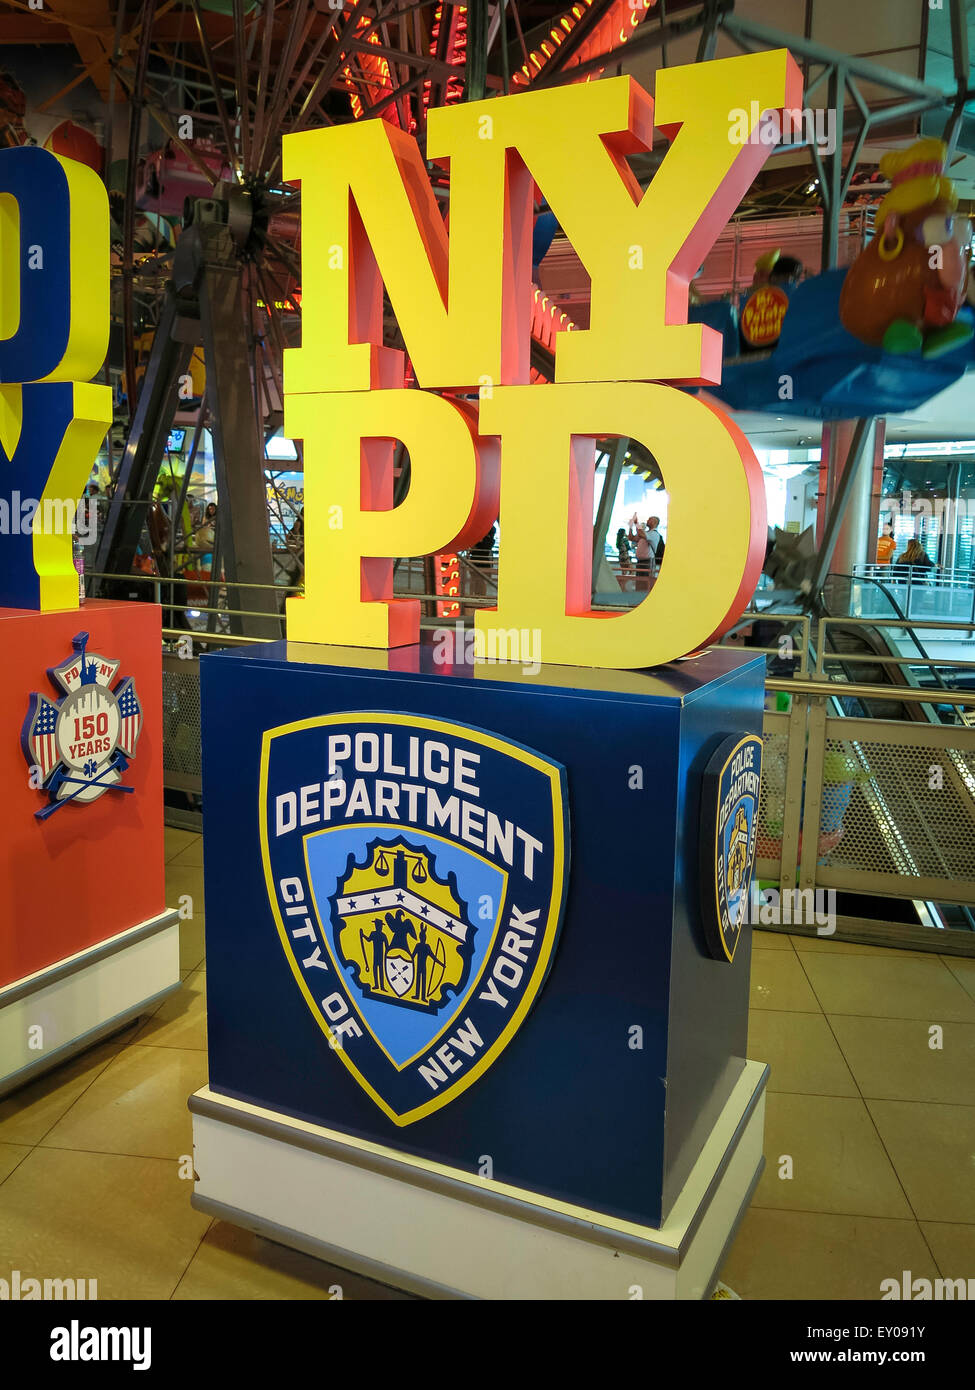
{"type": "Point", "coordinates": [834, 376]}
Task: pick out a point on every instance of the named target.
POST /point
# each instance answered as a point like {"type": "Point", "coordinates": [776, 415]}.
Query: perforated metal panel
{"type": "Point", "coordinates": [907, 808]}
{"type": "Point", "coordinates": [181, 723]}
{"type": "Point", "coordinates": [771, 804]}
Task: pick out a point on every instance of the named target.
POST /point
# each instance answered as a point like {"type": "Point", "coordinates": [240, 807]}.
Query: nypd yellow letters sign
{"type": "Point", "coordinates": [371, 219]}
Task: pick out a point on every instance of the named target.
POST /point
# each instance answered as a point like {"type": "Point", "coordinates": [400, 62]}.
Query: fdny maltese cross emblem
{"type": "Point", "coordinates": [81, 744]}
{"type": "Point", "coordinates": [416, 871]}
{"type": "Point", "coordinates": [729, 831]}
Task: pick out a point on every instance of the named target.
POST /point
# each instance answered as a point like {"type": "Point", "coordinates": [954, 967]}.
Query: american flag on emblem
{"type": "Point", "coordinates": [131, 714]}
{"type": "Point", "coordinates": [42, 741]}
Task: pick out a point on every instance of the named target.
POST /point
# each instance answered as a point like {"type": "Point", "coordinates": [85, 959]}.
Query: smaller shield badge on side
{"type": "Point", "coordinates": [729, 829]}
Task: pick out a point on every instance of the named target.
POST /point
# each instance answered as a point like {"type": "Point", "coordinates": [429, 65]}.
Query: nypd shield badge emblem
{"type": "Point", "coordinates": [416, 871]}
{"type": "Point", "coordinates": [729, 830]}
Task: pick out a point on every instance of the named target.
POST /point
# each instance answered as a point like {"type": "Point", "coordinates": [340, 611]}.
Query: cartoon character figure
{"type": "Point", "coordinates": [904, 290]}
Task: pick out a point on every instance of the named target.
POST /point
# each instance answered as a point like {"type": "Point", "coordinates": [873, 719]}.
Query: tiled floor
{"type": "Point", "coordinates": [870, 1120]}
{"type": "Point", "coordinates": [870, 1138]}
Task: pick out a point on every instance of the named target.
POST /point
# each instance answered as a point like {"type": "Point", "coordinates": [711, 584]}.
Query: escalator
{"type": "Point", "coordinates": [842, 596]}
{"type": "Point", "coordinates": [890, 816]}
{"type": "Point", "coordinates": [897, 823]}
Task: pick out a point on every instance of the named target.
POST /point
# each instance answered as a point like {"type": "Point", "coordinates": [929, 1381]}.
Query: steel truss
{"type": "Point", "coordinates": [281, 66]}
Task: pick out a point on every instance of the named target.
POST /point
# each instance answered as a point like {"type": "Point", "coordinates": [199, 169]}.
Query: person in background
{"type": "Point", "coordinates": [296, 535]}
{"type": "Point", "coordinates": [886, 546]}
{"type": "Point", "coordinates": [205, 537]}
{"type": "Point", "coordinates": [644, 560]}
{"type": "Point", "coordinates": [293, 565]}
{"type": "Point", "coordinates": [655, 540]}
{"type": "Point", "coordinates": [481, 555]}
{"type": "Point", "coordinates": [623, 551]}
{"type": "Point", "coordinates": [482, 551]}
{"type": "Point", "coordinates": [97, 507]}
{"type": "Point", "coordinates": [914, 557]}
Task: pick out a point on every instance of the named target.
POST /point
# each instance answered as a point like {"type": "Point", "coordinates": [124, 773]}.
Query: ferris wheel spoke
{"type": "Point", "coordinates": [221, 106]}
{"type": "Point", "coordinates": [277, 335]}
{"type": "Point", "coordinates": [240, 82]}
{"type": "Point", "coordinates": [332, 64]}
{"type": "Point", "coordinates": [311, 60]}
{"type": "Point", "coordinates": [285, 68]}
{"type": "Point", "coordinates": [263, 77]}
{"type": "Point", "coordinates": [266, 412]}
{"type": "Point", "coordinates": [285, 255]}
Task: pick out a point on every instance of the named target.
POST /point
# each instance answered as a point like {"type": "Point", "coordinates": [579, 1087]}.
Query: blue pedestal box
{"type": "Point", "coordinates": [458, 910]}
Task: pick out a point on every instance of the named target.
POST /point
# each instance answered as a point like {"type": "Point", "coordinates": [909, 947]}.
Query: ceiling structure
{"type": "Point", "coordinates": [246, 72]}
{"type": "Point", "coordinates": [887, 69]}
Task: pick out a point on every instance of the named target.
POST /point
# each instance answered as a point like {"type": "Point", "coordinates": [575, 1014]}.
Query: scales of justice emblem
{"type": "Point", "coordinates": [737, 863]}
{"type": "Point", "coordinates": [404, 930]}
{"type": "Point", "coordinates": [82, 743]}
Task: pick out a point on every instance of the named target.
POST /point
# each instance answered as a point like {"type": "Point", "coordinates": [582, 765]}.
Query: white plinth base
{"type": "Point", "coordinates": [440, 1232]}
{"type": "Point", "coordinates": [47, 1017]}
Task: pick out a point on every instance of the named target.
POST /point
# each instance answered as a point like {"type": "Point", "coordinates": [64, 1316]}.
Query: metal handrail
{"type": "Point", "coordinates": [904, 576]}
{"type": "Point", "coordinates": [875, 659]}
{"type": "Point", "coordinates": [935, 623]}
{"type": "Point", "coordinates": [936, 574]}
{"type": "Point", "coordinates": [826, 689]}
{"type": "Point", "coordinates": [901, 619]}
{"type": "Point", "coordinates": [800, 620]}
{"type": "Point", "coordinates": [212, 639]}
{"type": "Point", "coordinates": [227, 612]}
{"type": "Point", "coordinates": [202, 583]}
{"type": "Point", "coordinates": [465, 600]}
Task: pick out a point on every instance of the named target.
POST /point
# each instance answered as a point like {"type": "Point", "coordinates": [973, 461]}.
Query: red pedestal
{"type": "Point", "coordinates": [91, 871]}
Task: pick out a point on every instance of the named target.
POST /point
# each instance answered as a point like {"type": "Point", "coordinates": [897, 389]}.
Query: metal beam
{"type": "Point", "coordinates": [475, 70]}
{"type": "Point", "coordinates": [214, 83]}
{"type": "Point", "coordinates": [960, 59]}
{"type": "Point", "coordinates": [128, 212]}
{"type": "Point", "coordinates": [238, 453]}
{"type": "Point", "coordinates": [503, 45]}
{"type": "Point", "coordinates": [643, 39]}
{"type": "Point", "coordinates": [580, 32]}
{"type": "Point", "coordinates": [171, 351]}
{"type": "Point", "coordinates": [736, 26]}
{"type": "Point", "coordinates": [959, 42]}
{"type": "Point", "coordinates": [841, 501]}
{"type": "Point", "coordinates": [708, 41]}
{"type": "Point", "coordinates": [417, 60]}
{"type": "Point", "coordinates": [614, 470]}
{"type": "Point", "coordinates": [832, 191]}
